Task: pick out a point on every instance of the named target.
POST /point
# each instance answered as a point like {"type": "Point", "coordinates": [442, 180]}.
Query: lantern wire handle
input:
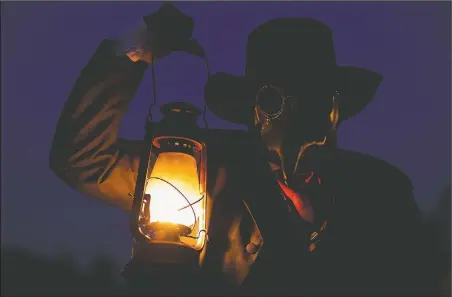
{"type": "Point", "coordinates": [154, 99]}
{"type": "Point", "coordinates": [204, 112]}
{"type": "Point", "coordinates": [189, 205]}
{"type": "Point", "coordinates": [154, 92]}
{"type": "Point", "coordinates": [196, 237]}
{"type": "Point", "coordinates": [204, 57]}
{"type": "Point", "coordinates": [182, 194]}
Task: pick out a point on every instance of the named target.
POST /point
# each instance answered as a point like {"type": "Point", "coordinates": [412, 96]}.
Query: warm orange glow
{"type": "Point", "coordinates": [174, 172]}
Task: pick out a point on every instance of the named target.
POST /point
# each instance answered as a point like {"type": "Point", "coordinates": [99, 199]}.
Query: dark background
{"type": "Point", "coordinates": [46, 44]}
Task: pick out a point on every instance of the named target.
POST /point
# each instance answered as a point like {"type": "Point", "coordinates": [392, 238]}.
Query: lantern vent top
{"type": "Point", "coordinates": [182, 109]}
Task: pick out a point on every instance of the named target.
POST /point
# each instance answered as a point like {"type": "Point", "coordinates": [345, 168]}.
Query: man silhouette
{"type": "Point", "coordinates": [288, 212]}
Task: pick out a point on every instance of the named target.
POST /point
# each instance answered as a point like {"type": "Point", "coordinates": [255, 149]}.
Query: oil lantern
{"type": "Point", "coordinates": [168, 218]}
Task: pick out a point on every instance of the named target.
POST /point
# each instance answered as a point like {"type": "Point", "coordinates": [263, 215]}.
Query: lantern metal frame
{"type": "Point", "coordinates": [150, 256]}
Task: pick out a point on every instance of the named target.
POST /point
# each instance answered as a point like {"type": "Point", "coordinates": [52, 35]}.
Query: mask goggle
{"type": "Point", "coordinates": [271, 103]}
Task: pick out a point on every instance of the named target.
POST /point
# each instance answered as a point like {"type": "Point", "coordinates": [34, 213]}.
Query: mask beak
{"type": "Point", "coordinates": [290, 147]}
{"type": "Point", "coordinates": [293, 148]}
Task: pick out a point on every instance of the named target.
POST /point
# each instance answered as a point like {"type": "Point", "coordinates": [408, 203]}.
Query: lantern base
{"type": "Point", "coordinates": [157, 259]}
{"type": "Point", "coordinates": [162, 269]}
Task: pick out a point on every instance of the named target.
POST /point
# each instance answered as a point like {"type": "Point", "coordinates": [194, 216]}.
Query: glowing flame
{"type": "Point", "coordinates": [174, 176]}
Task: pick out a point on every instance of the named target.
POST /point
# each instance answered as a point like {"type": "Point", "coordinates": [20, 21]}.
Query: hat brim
{"type": "Point", "coordinates": [232, 97]}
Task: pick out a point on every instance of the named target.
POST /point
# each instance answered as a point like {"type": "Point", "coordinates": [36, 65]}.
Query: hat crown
{"type": "Point", "coordinates": [290, 49]}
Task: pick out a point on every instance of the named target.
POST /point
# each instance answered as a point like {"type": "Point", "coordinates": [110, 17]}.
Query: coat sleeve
{"type": "Point", "coordinates": [86, 153]}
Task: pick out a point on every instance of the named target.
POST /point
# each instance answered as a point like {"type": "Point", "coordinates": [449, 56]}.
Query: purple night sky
{"type": "Point", "coordinates": [45, 45]}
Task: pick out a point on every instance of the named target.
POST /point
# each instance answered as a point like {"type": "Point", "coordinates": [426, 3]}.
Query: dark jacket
{"type": "Point", "coordinates": [373, 243]}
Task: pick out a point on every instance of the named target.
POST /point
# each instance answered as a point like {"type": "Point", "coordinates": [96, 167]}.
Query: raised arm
{"type": "Point", "coordinates": [85, 152]}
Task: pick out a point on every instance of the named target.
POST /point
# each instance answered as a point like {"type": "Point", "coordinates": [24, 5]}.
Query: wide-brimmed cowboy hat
{"type": "Point", "coordinates": [296, 55]}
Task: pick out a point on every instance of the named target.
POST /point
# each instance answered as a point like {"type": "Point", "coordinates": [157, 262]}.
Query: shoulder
{"type": "Point", "coordinates": [374, 184]}
{"type": "Point", "coordinates": [377, 190]}
{"type": "Point", "coordinates": [369, 169]}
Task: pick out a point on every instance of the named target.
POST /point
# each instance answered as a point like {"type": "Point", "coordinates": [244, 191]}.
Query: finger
{"type": "Point", "coordinates": [133, 56]}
